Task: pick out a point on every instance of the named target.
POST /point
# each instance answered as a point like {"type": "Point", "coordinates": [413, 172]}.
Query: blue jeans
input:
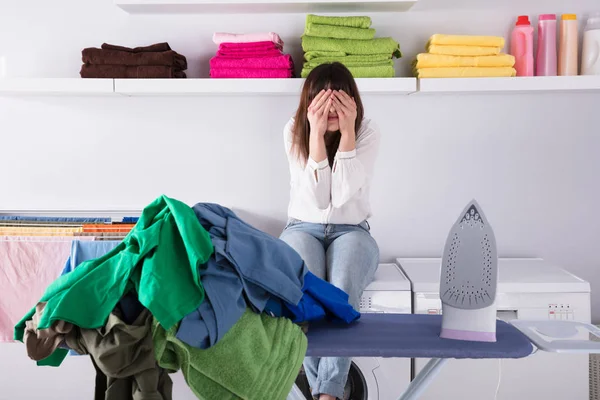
{"type": "Point", "coordinates": [347, 256]}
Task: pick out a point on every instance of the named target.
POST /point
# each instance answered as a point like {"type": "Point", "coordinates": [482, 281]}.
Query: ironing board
{"type": "Point", "coordinates": [417, 336]}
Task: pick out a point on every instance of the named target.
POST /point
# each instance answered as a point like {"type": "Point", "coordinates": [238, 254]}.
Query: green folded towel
{"type": "Point", "coordinates": [353, 61]}
{"type": "Point", "coordinates": [352, 47]}
{"type": "Point", "coordinates": [340, 32]}
{"type": "Point", "coordinates": [258, 358]}
{"type": "Point", "coordinates": [309, 55]}
{"type": "Point", "coordinates": [350, 22]}
{"type": "Point", "coordinates": [381, 71]}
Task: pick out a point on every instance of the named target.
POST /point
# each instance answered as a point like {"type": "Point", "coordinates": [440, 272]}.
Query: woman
{"type": "Point", "coordinates": [331, 152]}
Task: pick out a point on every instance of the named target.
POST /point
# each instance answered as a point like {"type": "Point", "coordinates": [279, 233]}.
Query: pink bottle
{"type": "Point", "coordinates": [546, 52]}
{"type": "Point", "coordinates": [521, 46]}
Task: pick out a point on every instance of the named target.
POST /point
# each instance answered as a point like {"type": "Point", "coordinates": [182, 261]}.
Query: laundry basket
{"type": "Point", "coordinates": [595, 373]}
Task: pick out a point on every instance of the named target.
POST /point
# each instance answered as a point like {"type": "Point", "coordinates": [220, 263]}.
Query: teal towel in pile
{"type": "Point", "coordinates": [376, 71]}
{"type": "Point", "coordinates": [350, 22]}
{"type": "Point", "coordinates": [258, 358]}
{"type": "Point", "coordinates": [352, 47]}
{"type": "Point", "coordinates": [352, 61]}
{"type": "Point", "coordinates": [340, 32]}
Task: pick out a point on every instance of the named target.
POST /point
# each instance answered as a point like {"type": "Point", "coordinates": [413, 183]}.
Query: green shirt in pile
{"type": "Point", "coordinates": [159, 258]}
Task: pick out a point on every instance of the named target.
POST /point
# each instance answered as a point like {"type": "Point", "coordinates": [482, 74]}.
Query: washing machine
{"type": "Point", "coordinates": [379, 378]}
{"type": "Point", "coordinates": [528, 288]}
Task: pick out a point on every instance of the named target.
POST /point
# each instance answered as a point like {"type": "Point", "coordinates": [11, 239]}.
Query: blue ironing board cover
{"type": "Point", "coordinates": [408, 336]}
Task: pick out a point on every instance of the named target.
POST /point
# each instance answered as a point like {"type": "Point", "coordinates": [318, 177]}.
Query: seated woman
{"type": "Point", "coordinates": [331, 152]}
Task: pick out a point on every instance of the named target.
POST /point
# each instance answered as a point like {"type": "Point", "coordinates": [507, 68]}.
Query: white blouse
{"type": "Point", "coordinates": [338, 195]}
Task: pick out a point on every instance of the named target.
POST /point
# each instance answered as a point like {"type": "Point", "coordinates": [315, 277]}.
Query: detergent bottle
{"type": "Point", "coordinates": [521, 46]}
{"type": "Point", "coordinates": [568, 47]}
{"type": "Point", "coordinates": [590, 58]}
{"type": "Point", "coordinates": [546, 52]}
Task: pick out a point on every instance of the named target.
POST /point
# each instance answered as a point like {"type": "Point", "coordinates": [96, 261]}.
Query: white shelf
{"type": "Point", "coordinates": [284, 87]}
{"type": "Point", "coordinates": [510, 85]}
{"type": "Point", "coordinates": [56, 87]}
{"type": "Point", "coordinates": [199, 87]}
{"type": "Point", "coordinates": [261, 6]}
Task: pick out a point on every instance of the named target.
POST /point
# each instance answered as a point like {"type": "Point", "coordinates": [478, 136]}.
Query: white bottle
{"type": "Point", "coordinates": [590, 58]}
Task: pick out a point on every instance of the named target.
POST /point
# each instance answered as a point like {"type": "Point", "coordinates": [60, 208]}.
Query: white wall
{"type": "Point", "coordinates": [532, 161]}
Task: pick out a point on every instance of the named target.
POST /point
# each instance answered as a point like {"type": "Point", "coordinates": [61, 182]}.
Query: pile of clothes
{"type": "Point", "coordinates": [111, 61]}
{"type": "Point", "coordinates": [195, 289]}
{"type": "Point", "coordinates": [253, 55]}
{"type": "Point", "coordinates": [350, 41]}
{"type": "Point", "coordinates": [464, 56]}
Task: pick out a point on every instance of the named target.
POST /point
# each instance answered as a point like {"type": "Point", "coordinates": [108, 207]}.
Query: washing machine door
{"type": "Point", "coordinates": [361, 384]}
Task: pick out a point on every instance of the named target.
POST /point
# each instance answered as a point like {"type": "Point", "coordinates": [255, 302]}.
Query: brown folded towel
{"type": "Point", "coordinates": [144, 49]}
{"type": "Point", "coordinates": [115, 57]}
{"type": "Point", "coordinates": [124, 71]}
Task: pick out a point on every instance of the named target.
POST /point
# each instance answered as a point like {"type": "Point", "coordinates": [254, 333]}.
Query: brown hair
{"type": "Point", "coordinates": [333, 76]}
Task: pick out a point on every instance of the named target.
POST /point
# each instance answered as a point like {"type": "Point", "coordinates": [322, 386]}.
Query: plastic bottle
{"type": "Point", "coordinates": [521, 46]}
{"type": "Point", "coordinates": [546, 53]}
{"type": "Point", "coordinates": [590, 59]}
{"type": "Point", "coordinates": [568, 47]}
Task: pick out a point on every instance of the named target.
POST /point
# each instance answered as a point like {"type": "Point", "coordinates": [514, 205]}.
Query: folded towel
{"type": "Point", "coordinates": [244, 50]}
{"type": "Point", "coordinates": [309, 55]}
{"type": "Point", "coordinates": [284, 61]}
{"type": "Point", "coordinates": [437, 60]}
{"type": "Point", "coordinates": [340, 32]}
{"type": "Point", "coordinates": [463, 50]}
{"type": "Point", "coordinates": [353, 47]}
{"type": "Point", "coordinates": [144, 49]}
{"type": "Point", "coordinates": [254, 73]}
{"type": "Point", "coordinates": [124, 71]}
{"type": "Point", "coordinates": [115, 57]}
{"type": "Point", "coordinates": [259, 358]}
{"type": "Point", "coordinates": [223, 37]}
{"type": "Point", "coordinates": [465, 72]}
{"type": "Point", "coordinates": [251, 46]}
{"type": "Point", "coordinates": [467, 40]}
{"type": "Point", "coordinates": [248, 54]}
{"type": "Point", "coordinates": [355, 61]}
{"type": "Point", "coordinates": [351, 22]}
{"type": "Point", "coordinates": [381, 71]}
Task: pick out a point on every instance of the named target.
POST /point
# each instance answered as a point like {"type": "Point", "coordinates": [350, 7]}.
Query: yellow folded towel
{"type": "Point", "coordinates": [426, 60]}
{"type": "Point", "coordinates": [466, 72]}
{"type": "Point", "coordinates": [463, 50]}
{"type": "Point", "coordinates": [467, 40]}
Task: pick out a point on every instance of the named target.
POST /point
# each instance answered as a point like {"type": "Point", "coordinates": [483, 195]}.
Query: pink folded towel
{"type": "Point", "coordinates": [284, 61]}
{"type": "Point", "coordinates": [223, 37]}
{"type": "Point", "coordinates": [252, 46]}
{"type": "Point", "coordinates": [248, 54]}
{"type": "Point", "coordinates": [249, 73]}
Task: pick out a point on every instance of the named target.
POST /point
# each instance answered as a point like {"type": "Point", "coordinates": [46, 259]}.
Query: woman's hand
{"type": "Point", "coordinates": [345, 106]}
{"type": "Point", "coordinates": [318, 112]}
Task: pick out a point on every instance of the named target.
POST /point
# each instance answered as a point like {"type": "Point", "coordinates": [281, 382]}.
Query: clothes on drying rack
{"type": "Point", "coordinates": [84, 251]}
{"type": "Point", "coordinates": [27, 266]}
{"type": "Point", "coordinates": [159, 258]}
{"type": "Point", "coordinates": [111, 61]}
{"type": "Point", "coordinates": [259, 358]}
